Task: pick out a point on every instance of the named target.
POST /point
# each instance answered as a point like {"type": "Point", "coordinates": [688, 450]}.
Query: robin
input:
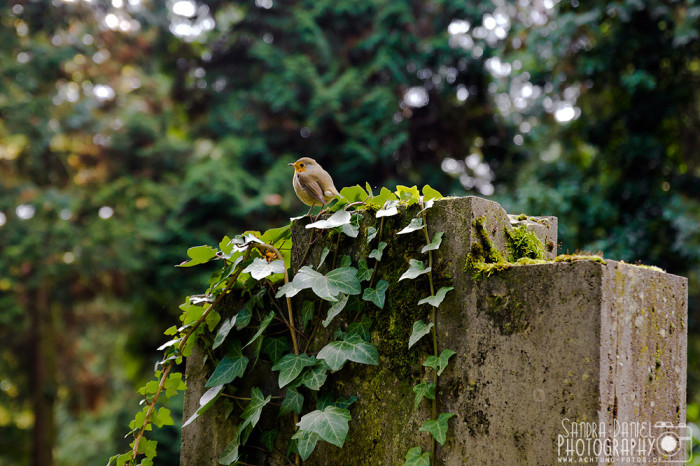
{"type": "Point", "coordinates": [313, 185]}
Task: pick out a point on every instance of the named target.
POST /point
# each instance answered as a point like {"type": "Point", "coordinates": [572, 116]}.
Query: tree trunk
{"type": "Point", "coordinates": [42, 374]}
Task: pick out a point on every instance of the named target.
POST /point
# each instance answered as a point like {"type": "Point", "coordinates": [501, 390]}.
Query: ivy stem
{"type": "Point", "coordinates": [169, 365]}
{"type": "Point", "coordinates": [289, 300]}
{"type": "Point", "coordinates": [292, 331]}
{"type": "Point", "coordinates": [434, 319]}
{"type": "Point", "coordinates": [376, 262]}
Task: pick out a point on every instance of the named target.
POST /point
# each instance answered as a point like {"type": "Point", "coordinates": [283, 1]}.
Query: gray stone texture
{"type": "Point", "coordinates": [539, 347]}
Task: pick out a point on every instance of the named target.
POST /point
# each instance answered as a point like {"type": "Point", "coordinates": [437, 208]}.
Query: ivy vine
{"type": "Point", "coordinates": [256, 270]}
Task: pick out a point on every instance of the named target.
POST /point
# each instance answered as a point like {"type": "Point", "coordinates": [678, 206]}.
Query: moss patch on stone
{"type": "Point", "coordinates": [578, 257]}
{"type": "Point", "coordinates": [523, 243]}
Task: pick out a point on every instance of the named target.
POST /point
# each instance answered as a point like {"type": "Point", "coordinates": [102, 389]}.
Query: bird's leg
{"type": "Point", "coordinates": [322, 211]}
{"type": "Point", "coordinates": [309, 212]}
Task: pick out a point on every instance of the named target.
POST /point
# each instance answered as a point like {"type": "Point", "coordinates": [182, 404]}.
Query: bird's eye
{"type": "Point", "coordinates": [301, 165]}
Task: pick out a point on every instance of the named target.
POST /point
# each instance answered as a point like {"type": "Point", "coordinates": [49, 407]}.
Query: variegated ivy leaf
{"type": "Point", "coordinates": [335, 309]}
{"type": "Point", "coordinates": [371, 234]}
{"type": "Point", "coordinates": [415, 225]}
{"type": "Point", "coordinates": [420, 329]}
{"type": "Point", "coordinates": [389, 209]}
{"type": "Point", "coordinates": [434, 244]}
{"type": "Point", "coordinates": [438, 298]}
{"type": "Point", "coordinates": [341, 217]}
{"type": "Point", "coordinates": [377, 253]}
{"type": "Point", "coordinates": [415, 269]}
{"type": "Point", "coordinates": [260, 268]}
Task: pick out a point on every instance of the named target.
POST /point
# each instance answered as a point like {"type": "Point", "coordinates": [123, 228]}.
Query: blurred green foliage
{"type": "Point", "coordinates": [129, 132]}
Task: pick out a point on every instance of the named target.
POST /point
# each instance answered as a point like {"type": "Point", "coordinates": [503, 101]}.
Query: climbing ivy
{"type": "Point", "coordinates": [255, 271]}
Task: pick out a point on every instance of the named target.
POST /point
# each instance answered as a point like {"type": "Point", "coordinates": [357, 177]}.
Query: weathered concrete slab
{"type": "Point", "coordinates": [541, 350]}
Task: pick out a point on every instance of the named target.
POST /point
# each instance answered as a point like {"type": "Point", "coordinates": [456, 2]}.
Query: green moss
{"type": "Point", "coordinates": [484, 258]}
{"type": "Point", "coordinates": [522, 217]}
{"type": "Point", "coordinates": [528, 261]}
{"type": "Point", "coordinates": [578, 257]}
{"type": "Point", "coordinates": [394, 323]}
{"type": "Point", "coordinates": [650, 267]}
{"type": "Point", "coordinates": [522, 242]}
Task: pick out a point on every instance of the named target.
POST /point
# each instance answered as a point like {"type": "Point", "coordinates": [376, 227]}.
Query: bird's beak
{"type": "Point", "coordinates": [290, 164]}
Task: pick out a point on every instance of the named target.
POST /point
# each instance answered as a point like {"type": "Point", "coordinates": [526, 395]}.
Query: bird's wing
{"type": "Point", "coordinates": [312, 187]}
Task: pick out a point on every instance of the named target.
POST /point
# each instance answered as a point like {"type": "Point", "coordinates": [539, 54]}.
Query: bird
{"type": "Point", "coordinates": [312, 184]}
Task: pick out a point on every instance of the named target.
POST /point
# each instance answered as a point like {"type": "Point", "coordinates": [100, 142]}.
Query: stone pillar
{"type": "Point", "coordinates": [551, 357]}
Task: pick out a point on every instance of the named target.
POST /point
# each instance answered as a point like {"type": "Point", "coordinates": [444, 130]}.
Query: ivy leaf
{"type": "Point", "coordinates": [314, 377]}
{"type": "Point", "coordinates": [307, 313]}
{"type": "Point", "coordinates": [388, 209]}
{"type": "Point", "coordinates": [324, 254]}
{"type": "Point", "coordinates": [275, 347]}
{"type": "Point", "coordinates": [331, 424]}
{"type": "Point", "coordinates": [437, 428]}
{"type": "Point", "coordinates": [360, 328]}
{"type": "Point", "coordinates": [306, 442]}
{"type": "Point", "coordinates": [416, 224]}
{"type": "Point", "coordinates": [199, 255]}
{"type": "Point", "coordinates": [426, 205]}
{"type": "Point", "coordinates": [263, 325]}
{"type": "Point", "coordinates": [381, 199]}
{"type": "Point", "coordinates": [341, 217]}
{"type": "Point", "coordinates": [423, 389]}
{"type": "Point", "coordinates": [350, 230]}
{"type": "Point", "coordinates": [223, 331]}
{"type": "Point", "coordinates": [205, 402]}
{"type": "Point", "coordinates": [212, 319]}
{"type": "Point", "coordinates": [354, 348]}
{"type": "Point", "coordinates": [415, 269]}
{"type": "Point", "coordinates": [335, 309]}
{"type": "Point", "coordinates": [439, 363]}
{"type": "Point", "coordinates": [252, 411]}
{"type": "Point", "coordinates": [226, 246]}
{"type": "Point", "coordinates": [147, 447]}
{"type": "Point", "coordinates": [345, 261]}
{"type": "Point", "coordinates": [417, 457]}
{"type": "Point", "coordinates": [290, 366]}
{"type": "Point", "coordinates": [353, 193]}
{"type": "Point", "coordinates": [420, 329]}
{"type": "Point", "coordinates": [371, 234]}
{"type": "Point", "coordinates": [233, 365]}
{"type": "Point", "coordinates": [163, 418]}
{"type": "Point", "coordinates": [430, 193]}
{"type": "Point", "coordinates": [438, 298]}
{"type": "Point", "coordinates": [230, 453]}
{"type": "Point", "coordinates": [260, 268]}
{"type": "Point", "coordinates": [293, 401]}
{"type": "Point", "coordinates": [243, 318]}
{"type": "Point", "coordinates": [174, 384]}
{"type": "Point", "coordinates": [377, 253]}
{"type": "Point", "coordinates": [288, 289]}
{"type": "Point", "coordinates": [434, 244]}
{"type": "Point", "coordinates": [340, 280]}
{"type": "Point", "coordinates": [376, 295]}
{"type": "Point", "coordinates": [169, 343]}
{"type": "Point", "coordinates": [268, 439]}
{"type": "Point", "coordinates": [408, 195]}
{"type": "Point", "coordinates": [364, 273]}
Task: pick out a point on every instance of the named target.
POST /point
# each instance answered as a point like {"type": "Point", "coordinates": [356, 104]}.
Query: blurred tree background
{"type": "Point", "coordinates": [133, 129]}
